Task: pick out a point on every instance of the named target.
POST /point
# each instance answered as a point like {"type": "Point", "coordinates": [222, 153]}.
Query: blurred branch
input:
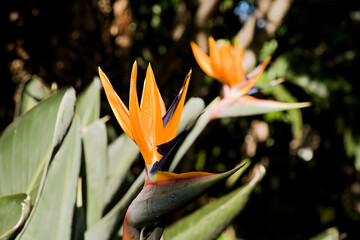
{"type": "Point", "coordinates": [184, 30]}
{"type": "Point", "coordinates": [252, 37]}
{"type": "Point", "coordinates": [202, 15]}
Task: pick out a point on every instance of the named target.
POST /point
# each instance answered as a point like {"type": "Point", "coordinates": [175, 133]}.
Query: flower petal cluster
{"type": "Point", "coordinates": [224, 63]}
{"type": "Point", "coordinates": [149, 124]}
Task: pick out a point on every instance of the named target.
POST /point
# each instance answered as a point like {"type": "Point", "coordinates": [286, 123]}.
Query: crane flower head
{"type": "Point", "coordinates": [149, 125]}
{"type": "Point", "coordinates": [224, 63]}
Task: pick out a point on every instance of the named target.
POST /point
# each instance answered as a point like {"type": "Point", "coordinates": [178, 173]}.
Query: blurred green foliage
{"type": "Point", "coordinates": [315, 49]}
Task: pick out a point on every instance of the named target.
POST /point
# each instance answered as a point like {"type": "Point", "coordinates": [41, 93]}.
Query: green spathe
{"type": "Point", "coordinates": [158, 200]}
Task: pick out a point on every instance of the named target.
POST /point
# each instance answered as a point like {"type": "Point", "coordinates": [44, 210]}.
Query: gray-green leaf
{"type": "Point", "coordinates": [27, 145]}
{"type": "Point", "coordinates": [88, 103]}
{"type": "Point", "coordinates": [95, 153]}
{"type": "Point", "coordinates": [209, 221]}
{"type": "Point", "coordinates": [14, 210]}
{"type": "Point", "coordinates": [57, 201]}
{"type": "Point", "coordinates": [121, 154]}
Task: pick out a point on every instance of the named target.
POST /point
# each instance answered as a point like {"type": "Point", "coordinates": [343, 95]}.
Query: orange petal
{"type": "Point", "coordinates": [151, 98]}
{"type": "Point", "coordinates": [253, 77]}
{"type": "Point", "coordinates": [136, 127]}
{"type": "Point", "coordinates": [118, 107]}
{"type": "Point", "coordinates": [215, 60]}
{"type": "Point", "coordinates": [146, 107]}
{"type": "Point", "coordinates": [162, 104]}
{"type": "Point", "coordinates": [227, 62]}
{"type": "Point", "coordinates": [203, 60]}
{"type": "Point", "coordinates": [166, 176]}
{"type": "Point", "coordinates": [173, 124]}
{"type": "Point", "coordinates": [238, 64]}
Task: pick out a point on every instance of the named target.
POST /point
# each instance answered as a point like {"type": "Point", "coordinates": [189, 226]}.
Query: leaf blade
{"type": "Point", "coordinates": [27, 144]}
{"type": "Point", "coordinates": [95, 153]}
{"type": "Point", "coordinates": [209, 221]}
{"type": "Point", "coordinates": [88, 103]}
{"type": "Point", "coordinates": [14, 210]}
{"type": "Point", "coordinates": [59, 192]}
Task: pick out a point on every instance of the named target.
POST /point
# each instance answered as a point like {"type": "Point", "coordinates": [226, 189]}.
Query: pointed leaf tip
{"type": "Point", "coordinates": [159, 199]}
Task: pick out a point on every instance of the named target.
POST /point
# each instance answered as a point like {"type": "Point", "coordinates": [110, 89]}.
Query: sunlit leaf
{"type": "Point", "coordinates": [31, 94]}
{"type": "Point", "coordinates": [27, 145]}
{"type": "Point", "coordinates": [209, 221]}
{"type": "Point", "coordinates": [95, 153]}
{"type": "Point", "coordinates": [14, 210]}
{"type": "Point", "coordinates": [88, 103]}
{"type": "Point", "coordinates": [328, 234]}
{"type": "Point", "coordinates": [57, 201]}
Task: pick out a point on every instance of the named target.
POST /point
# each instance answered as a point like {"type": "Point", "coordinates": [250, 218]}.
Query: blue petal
{"type": "Point", "coordinates": [170, 112]}
{"type": "Point", "coordinates": [166, 148]}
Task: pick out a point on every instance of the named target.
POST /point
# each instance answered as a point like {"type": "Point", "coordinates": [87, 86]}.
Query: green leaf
{"type": "Point", "coordinates": [57, 201]}
{"type": "Point", "coordinates": [88, 103]}
{"type": "Point", "coordinates": [121, 154]}
{"type": "Point", "coordinates": [112, 221]}
{"type": "Point", "coordinates": [14, 210]}
{"type": "Point", "coordinates": [95, 152]}
{"type": "Point", "coordinates": [31, 94]}
{"type": "Point", "coordinates": [209, 221]}
{"type": "Point", "coordinates": [27, 145]}
{"type": "Point", "coordinates": [328, 234]}
{"type": "Point", "coordinates": [194, 133]}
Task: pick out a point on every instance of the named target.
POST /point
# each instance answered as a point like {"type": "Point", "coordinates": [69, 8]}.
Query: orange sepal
{"type": "Point", "coordinates": [120, 110]}
{"type": "Point", "coordinates": [136, 126]}
{"type": "Point", "coordinates": [203, 60]}
{"type": "Point", "coordinates": [169, 176]}
{"type": "Point", "coordinates": [252, 80]}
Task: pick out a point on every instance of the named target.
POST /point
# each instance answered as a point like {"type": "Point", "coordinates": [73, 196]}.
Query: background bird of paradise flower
{"type": "Point", "coordinates": [313, 183]}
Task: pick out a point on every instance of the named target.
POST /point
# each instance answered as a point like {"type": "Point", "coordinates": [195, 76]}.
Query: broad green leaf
{"type": "Point", "coordinates": [14, 210]}
{"type": "Point", "coordinates": [27, 145]}
{"type": "Point", "coordinates": [328, 234]}
{"type": "Point", "coordinates": [57, 201]}
{"type": "Point", "coordinates": [95, 153]}
{"type": "Point", "coordinates": [209, 221]}
{"type": "Point", "coordinates": [88, 103]}
{"type": "Point", "coordinates": [112, 221]}
{"type": "Point", "coordinates": [32, 93]}
{"type": "Point", "coordinates": [194, 133]}
{"type": "Point", "coordinates": [121, 154]}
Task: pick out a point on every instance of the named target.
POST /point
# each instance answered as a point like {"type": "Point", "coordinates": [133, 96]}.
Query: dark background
{"type": "Point", "coordinates": [65, 41]}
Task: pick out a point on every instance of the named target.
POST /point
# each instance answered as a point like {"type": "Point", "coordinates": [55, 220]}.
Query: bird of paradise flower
{"type": "Point", "coordinates": [154, 130]}
{"type": "Point", "coordinates": [224, 63]}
